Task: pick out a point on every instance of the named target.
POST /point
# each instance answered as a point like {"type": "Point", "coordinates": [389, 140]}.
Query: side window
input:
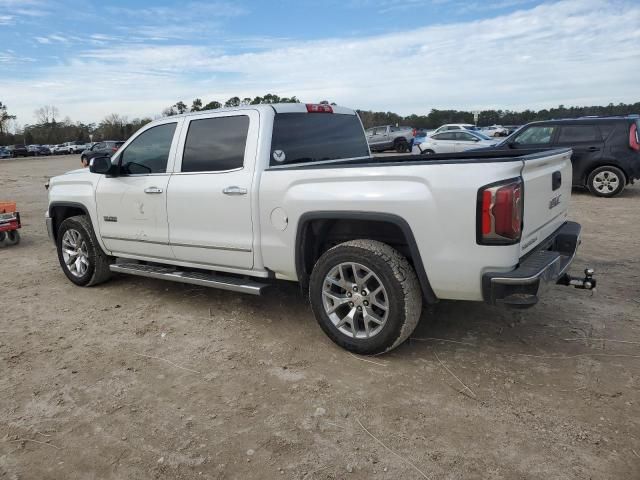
{"type": "Point", "coordinates": [447, 136]}
{"type": "Point", "coordinates": [578, 133]}
{"type": "Point", "coordinates": [465, 137]}
{"type": "Point", "coordinates": [381, 131]}
{"type": "Point", "coordinates": [369, 131]}
{"type": "Point", "coordinates": [149, 152]}
{"type": "Point", "coordinates": [99, 146]}
{"type": "Point", "coordinates": [536, 135]}
{"type": "Point", "coordinates": [215, 144]}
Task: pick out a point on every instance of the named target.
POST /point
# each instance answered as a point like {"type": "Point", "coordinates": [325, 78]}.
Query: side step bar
{"type": "Point", "coordinates": [195, 278]}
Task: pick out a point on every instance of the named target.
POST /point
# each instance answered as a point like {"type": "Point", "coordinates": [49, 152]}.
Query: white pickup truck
{"type": "Point", "coordinates": [236, 198]}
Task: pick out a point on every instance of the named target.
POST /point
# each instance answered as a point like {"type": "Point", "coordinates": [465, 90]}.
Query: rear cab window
{"type": "Point", "coordinates": [215, 144]}
{"type": "Point", "coordinates": [299, 138]}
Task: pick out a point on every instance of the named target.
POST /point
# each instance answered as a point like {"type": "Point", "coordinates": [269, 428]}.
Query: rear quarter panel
{"type": "Point", "coordinates": [438, 201]}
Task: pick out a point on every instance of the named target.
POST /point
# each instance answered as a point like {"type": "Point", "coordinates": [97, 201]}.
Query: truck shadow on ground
{"type": "Point", "coordinates": [542, 329]}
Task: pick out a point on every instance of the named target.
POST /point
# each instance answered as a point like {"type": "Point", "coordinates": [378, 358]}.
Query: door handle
{"type": "Point", "coordinates": [593, 149]}
{"type": "Point", "coordinates": [234, 191]}
{"type": "Point", "coordinates": [153, 190]}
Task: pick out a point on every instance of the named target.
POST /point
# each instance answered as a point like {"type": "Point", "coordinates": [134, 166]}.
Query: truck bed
{"type": "Point", "coordinates": [477, 156]}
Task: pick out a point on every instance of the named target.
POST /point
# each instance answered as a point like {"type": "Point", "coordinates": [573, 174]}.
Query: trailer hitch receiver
{"type": "Point", "coordinates": [586, 283]}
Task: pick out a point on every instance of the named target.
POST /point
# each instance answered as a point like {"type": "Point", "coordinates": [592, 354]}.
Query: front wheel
{"type": "Point", "coordinates": [606, 181]}
{"type": "Point", "coordinates": [365, 296]}
{"type": "Point", "coordinates": [81, 258]}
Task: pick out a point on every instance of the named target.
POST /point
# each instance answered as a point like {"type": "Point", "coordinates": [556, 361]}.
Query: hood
{"type": "Point", "coordinates": [77, 171]}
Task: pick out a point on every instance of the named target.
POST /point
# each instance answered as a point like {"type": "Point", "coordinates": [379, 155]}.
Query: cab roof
{"type": "Point", "coordinates": [271, 107]}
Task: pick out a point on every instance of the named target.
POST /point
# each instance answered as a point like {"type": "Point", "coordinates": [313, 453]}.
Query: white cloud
{"type": "Point", "coordinates": [573, 52]}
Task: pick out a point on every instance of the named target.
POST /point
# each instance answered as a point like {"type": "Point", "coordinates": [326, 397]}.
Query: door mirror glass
{"type": "Point", "coordinates": [101, 165]}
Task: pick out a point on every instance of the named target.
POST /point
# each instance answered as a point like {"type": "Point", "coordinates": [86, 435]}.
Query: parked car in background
{"type": "Point", "coordinates": [450, 142]}
{"type": "Point", "coordinates": [100, 149]}
{"type": "Point", "coordinates": [37, 150]}
{"type": "Point", "coordinates": [58, 149]}
{"type": "Point", "coordinates": [389, 137]}
{"type": "Point", "coordinates": [43, 150]}
{"type": "Point", "coordinates": [5, 153]}
{"type": "Point", "coordinates": [455, 127]}
{"type": "Point", "coordinates": [18, 150]}
{"type": "Point", "coordinates": [74, 147]}
{"type": "Point", "coordinates": [494, 131]}
{"type": "Point", "coordinates": [606, 150]}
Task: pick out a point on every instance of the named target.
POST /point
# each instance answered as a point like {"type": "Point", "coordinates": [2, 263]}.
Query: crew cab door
{"type": "Point", "coordinates": [210, 191]}
{"type": "Point", "coordinates": [132, 207]}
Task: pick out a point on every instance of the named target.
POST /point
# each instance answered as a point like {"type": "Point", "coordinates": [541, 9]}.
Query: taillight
{"type": "Point", "coordinates": [634, 141]}
{"type": "Point", "coordinates": [500, 208]}
{"type": "Point", "coordinates": [319, 108]}
{"type": "Point", "coordinates": [114, 149]}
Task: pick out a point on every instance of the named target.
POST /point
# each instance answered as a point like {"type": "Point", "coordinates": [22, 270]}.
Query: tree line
{"type": "Point", "coordinates": [435, 118]}
{"type": "Point", "coordinates": [180, 107]}
{"type": "Point", "coordinates": [48, 129]}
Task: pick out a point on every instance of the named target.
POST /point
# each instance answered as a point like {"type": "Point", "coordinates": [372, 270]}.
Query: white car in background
{"type": "Point", "coordinates": [456, 127]}
{"type": "Point", "coordinates": [451, 142]}
{"type": "Point", "coordinates": [494, 131]}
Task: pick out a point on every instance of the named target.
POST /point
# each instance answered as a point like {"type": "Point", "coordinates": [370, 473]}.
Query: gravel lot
{"type": "Point", "coordinates": [147, 379]}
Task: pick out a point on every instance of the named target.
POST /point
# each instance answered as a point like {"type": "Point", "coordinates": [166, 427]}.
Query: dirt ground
{"type": "Point", "coordinates": [138, 379]}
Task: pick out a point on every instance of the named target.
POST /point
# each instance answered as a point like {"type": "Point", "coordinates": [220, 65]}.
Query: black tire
{"type": "Point", "coordinates": [427, 152]}
{"type": "Point", "coordinates": [401, 145]}
{"type": "Point", "coordinates": [13, 237]}
{"type": "Point", "coordinates": [400, 283]}
{"type": "Point", "coordinates": [3, 235]}
{"type": "Point", "coordinates": [600, 181]}
{"type": "Point", "coordinates": [98, 269]}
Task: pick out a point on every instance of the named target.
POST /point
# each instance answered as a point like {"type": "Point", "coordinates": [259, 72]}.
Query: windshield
{"type": "Point", "coordinates": [314, 137]}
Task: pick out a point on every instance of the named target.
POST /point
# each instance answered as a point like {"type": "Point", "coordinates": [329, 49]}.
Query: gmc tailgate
{"type": "Point", "coordinates": [547, 191]}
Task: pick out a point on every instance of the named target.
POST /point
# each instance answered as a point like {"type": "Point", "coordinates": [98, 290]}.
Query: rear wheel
{"type": "Point", "coordinates": [427, 152]}
{"type": "Point", "coordinates": [13, 237]}
{"type": "Point", "coordinates": [365, 296]}
{"type": "Point", "coordinates": [606, 181]}
{"type": "Point", "coordinates": [81, 258]}
{"type": "Point", "coordinates": [401, 145]}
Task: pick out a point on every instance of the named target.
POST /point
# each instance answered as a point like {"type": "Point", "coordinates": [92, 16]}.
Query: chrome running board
{"type": "Point", "coordinates": [233, 284]}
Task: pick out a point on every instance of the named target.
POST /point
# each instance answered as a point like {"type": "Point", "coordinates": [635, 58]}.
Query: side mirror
{"type": "Point", "coordinates": [101, 165]}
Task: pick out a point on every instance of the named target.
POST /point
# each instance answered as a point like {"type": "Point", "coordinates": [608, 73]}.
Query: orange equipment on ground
{"type": "Point", "coordinates": [9, 223]}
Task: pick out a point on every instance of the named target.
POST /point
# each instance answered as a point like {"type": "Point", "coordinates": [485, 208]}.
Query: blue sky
{"type": "Point", "coordinates": [90, 59]}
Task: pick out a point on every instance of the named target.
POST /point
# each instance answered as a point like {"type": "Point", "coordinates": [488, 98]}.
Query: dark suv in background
{"type": "Point", "coordinates": [18, 150]}
{"type": "Point", "coordinates": [101, 149]}
{"type": "Point", "coordinates": [606, 150]}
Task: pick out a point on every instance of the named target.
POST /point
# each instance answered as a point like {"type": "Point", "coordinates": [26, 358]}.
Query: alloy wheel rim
{"type": "Point", "coordinates": [355, 300]}
{"type": "Point", "coordinates": [606, 181]}
{"type": "Point", "coordinates": [75, 253]}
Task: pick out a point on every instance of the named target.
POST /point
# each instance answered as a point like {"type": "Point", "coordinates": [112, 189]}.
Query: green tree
{"type": "Point", "coordinates": [232, 102]}
{"type": "Point", "coordinates": [212, 105]}
{"type": "Point", "coordinates": [181, 107]}
{"type": "Point", "coordinates": [196, 105]}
